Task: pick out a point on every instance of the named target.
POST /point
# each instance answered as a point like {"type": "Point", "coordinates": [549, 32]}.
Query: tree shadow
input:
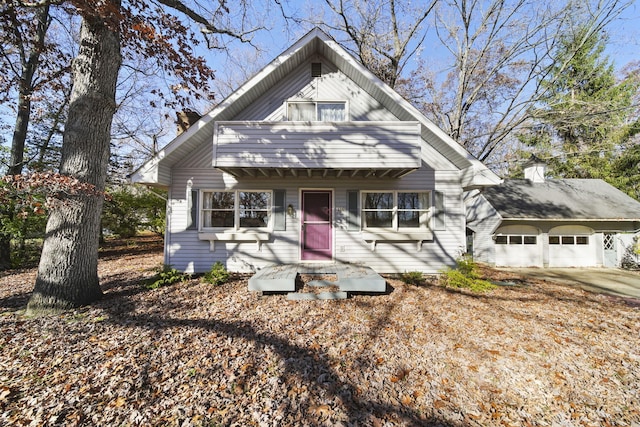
{"type": "Point", "coordinates": [310, 366]}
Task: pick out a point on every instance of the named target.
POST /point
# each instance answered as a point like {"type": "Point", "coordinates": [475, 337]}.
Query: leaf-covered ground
{"type": "Point", "coordinates": [195, 354]}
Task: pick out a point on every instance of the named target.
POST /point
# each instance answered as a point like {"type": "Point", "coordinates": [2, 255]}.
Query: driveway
{"type": "Point", "coordinates": [601, 280]}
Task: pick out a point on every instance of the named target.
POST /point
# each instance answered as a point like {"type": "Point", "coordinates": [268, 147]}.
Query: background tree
{"type": "Point", "coordinates": [383, 35]}
{"type": "Point", "coordinates": [583, 120]}
{"type": "Point", "coordinates": [486, 59]}
{"type": "Point", "coordinates": [67, 274]}
{"type": "Point", "coordinates": [33, 65]}
{"type": "Point", "coordinates": [503, 54]}
{"type": "Point", "coordinates": [588, 125]}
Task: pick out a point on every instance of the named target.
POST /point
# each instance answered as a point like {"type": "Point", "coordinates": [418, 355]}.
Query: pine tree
{"type": "Point", "coordinates": [584, 119]}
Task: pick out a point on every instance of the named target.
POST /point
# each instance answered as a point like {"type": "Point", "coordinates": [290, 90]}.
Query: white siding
{"type": "Point", "coordinates": [333, 145]}
{"type": "Point", "coordinates": [483, 220]}
{"type": "Point", "coordinates": [186, 252]}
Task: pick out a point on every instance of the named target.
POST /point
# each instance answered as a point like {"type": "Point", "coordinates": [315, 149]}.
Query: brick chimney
{"type": "Point", "coordinates": [186, 118]}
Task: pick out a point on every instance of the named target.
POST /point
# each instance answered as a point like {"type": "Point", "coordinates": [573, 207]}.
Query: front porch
{"type": "Point", "coordinates": [350, 278]}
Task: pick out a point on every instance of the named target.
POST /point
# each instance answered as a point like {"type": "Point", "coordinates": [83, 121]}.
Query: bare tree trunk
{"type": "Point", "coordinates": [29, 65]}
{"type": "Point", "coordinates": [68, 270]}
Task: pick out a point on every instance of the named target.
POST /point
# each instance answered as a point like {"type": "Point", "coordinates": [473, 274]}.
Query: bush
{"type": "Point", "coordinates": [168, 276]}
{"type": "Point", "coordinates": [630, 257]}
{"type": "Point", "coordinates": [217, 275]}
{"type": "Point", "coordinates": [412, 278]}
{"type": "Point", "coordinates": [466, 276]}
{"type": "Point", "coordinates": [132, 209]}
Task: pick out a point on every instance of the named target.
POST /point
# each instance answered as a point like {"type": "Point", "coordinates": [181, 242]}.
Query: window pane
{"type": "Point", "coordinates": [378, 201]}
{"type": "Point", "coordinates": [302, 111]}
{"type": "Point", "coordinates": [515, 240]}
{"type": "Point", "coordinates": [567, 240]}
{"type": "Point", "coordinates": [409, 219]}
{"type": "Point", "coordinates": [254, 208]}
{"type": "Point", "coordinates": [501, 240]}
{"type": "Point", "coordinates": [328, 112]}
{"type": "Point", "coordinates": [218, 219]}
{"type": "Point", "coordinates": [255, 200]}
{"type": "Point", "coordinates": [378, 219]}
{"type": "Point", "coordinates": [218, 200]}
{"type": "Point", "coordinates": [554, 240]}
{"type": "Point", "coordinates": [530, 240]}
{"type": "Point", "coordinates": [582, 240]}
{"type": "Point", "coordinates": [252, 219]}
{"type": "Point", "coordinates": [411, 201]}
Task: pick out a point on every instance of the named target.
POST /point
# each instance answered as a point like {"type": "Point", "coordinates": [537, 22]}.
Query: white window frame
{"type": "Point", "coordinates": [316, 102]}
{"type": "Point", "coordinates": [236, 210]}
{"type": "Point", "coordinates": [425, 216]}
{"type": "Point", "coordinates": [573, 237]}
{"type": "Point", "coordinates": [512, 239]}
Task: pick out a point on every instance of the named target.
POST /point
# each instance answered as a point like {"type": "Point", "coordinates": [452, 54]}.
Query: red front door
{"type": "Point", "coordinates": [316, 234]}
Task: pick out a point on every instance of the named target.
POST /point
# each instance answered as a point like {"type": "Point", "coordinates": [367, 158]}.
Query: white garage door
{"type": "Point", "coordinates": [572, 246]}
{"type": "Point", "coordinates": [518, 246]}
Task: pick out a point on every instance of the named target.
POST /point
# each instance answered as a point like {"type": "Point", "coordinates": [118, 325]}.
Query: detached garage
{"type": "Point", "coordinates": [538, 222]}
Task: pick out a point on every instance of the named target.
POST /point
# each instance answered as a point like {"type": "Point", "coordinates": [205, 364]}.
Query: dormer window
{"type": "Point", "coordinates": [316, 111]}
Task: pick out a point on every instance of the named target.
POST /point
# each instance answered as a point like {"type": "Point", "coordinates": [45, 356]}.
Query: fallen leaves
{"type": "Point", "coordinates": [191, 354]}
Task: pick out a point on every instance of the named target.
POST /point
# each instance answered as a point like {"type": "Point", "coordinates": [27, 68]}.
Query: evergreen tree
{"type": "Point", "coordinates": [584, 120]}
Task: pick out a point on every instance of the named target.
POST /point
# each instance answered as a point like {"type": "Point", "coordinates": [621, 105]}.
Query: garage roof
{"type": "Point", "coordinates": [559, 199]}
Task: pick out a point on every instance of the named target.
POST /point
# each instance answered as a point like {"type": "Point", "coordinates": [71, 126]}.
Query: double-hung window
{"type": "Point", "coordinates": [236, 209]}
{"type": "Point", "coordinates": [394, 210]}
{"type": "Point", "coordinates": [316, 111]}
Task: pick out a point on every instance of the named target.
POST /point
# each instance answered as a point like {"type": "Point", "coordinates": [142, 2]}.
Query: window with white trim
{"type": "Point", "coordinates": [569, 240]}
{"type": "Point", "coordinates": [516, 239]}
{"type": "Point", "coordinates": [394, 210]}
{"type": "Point", "coordinates": [316, 111]}
{"type": "Point", "coordinates": [236, 209]}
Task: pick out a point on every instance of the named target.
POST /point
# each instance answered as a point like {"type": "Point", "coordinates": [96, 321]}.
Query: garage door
{"type": "Point", "coordinates": [572, 246]}
{"type": "Point", "coordinates": [518, 246]}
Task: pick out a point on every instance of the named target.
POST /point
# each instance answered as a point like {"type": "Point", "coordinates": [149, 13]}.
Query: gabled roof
{"type": "Point", "coordinates": [562, 199]}
{"type": "Point", "coordinates": [157, 170]}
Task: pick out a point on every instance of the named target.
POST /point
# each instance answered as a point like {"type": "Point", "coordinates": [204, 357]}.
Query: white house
{"type": "Point", "coordinates": [314, 159]}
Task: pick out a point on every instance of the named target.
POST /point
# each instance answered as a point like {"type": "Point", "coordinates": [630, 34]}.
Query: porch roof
{"type": "Point", "coordinates": [317, 149]}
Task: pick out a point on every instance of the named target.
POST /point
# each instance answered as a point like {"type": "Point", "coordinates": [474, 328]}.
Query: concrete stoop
{"type": "Point", "coordinates": [310, 296]}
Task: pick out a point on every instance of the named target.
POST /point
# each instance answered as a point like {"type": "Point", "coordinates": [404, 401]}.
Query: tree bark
{"type": "Point", "coordinates": [68, 271]}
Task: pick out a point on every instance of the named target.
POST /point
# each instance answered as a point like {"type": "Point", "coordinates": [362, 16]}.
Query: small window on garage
{"type": "Point", "coordinates": [501, 240]}
{"type": "Point", "coordinates": [568, 240]}
{"type": "Point", "coordinates": [582, 240]}
{"type": "Point", "coordinates": [515, 240]}
{"type": "Point", "coordinates": [554, 240]}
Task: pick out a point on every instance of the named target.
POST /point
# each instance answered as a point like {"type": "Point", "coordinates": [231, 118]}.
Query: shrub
{"type": "Point", "coordinates": [217, 275]}
{"type": "Point", "coordinates": [630, 257]}
{"type": "Point", "coordinates": [412, 278]}
{"type": "Point", "coordinates": [168, 276]}
{"type": "Point", "coordinates": [465, 275]}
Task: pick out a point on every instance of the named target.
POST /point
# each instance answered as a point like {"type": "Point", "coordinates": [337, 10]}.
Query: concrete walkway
{"type": "Point", "coordinates": [609, 281]}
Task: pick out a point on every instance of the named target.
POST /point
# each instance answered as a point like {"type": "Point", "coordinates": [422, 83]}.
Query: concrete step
{"type": "Point", "coordinates": [308, 296]}
{"type": "Point", "coordinates": [322, 283]}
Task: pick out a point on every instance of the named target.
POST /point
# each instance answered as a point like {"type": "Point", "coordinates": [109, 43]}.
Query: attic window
{"type": "Point", "coordinates": [316, 69]}
{"type": "Point", "coordinates": [310, 111]}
